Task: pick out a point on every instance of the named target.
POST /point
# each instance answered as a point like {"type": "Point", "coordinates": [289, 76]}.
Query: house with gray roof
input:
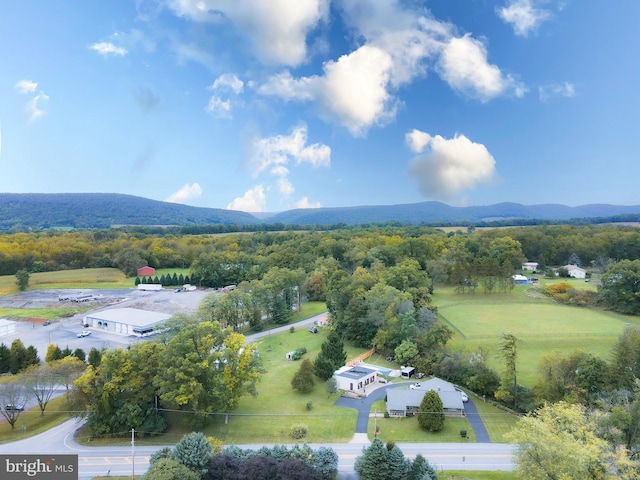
{"type": "Point", "coordinates": [404, 403]}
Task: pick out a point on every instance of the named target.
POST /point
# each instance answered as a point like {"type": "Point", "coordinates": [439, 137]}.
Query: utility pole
{"type": "Point", "coordinates": [133, 454]}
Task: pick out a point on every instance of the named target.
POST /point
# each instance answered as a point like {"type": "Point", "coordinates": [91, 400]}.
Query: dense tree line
{"type": "Point", "coordinates": [246, 256]}
{"type": "Point", "coordinates": [197, 457]}
{"type": "Point", "coordinates": [195, 366]}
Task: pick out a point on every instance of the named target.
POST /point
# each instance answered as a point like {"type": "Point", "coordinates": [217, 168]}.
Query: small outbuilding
{"type": "Point", "coordinates": [520, 279]}
{"type": "Point", "coordinates": [146, 271]}
{"type": "Point", "coordinates": [531, 266]}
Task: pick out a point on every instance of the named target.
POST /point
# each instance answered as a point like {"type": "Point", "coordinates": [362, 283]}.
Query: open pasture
{"type": "Point", "coordinates": [541, 325]}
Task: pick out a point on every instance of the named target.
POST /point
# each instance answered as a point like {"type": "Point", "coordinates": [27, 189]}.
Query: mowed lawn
{"type": "Point", "coordinates": [541, 325]}
{"type": "Point", "coordinates": [268, 418]}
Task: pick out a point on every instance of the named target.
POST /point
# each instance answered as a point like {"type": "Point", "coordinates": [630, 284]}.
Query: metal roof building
{"type": "Point", "coordinates": [126, 321]}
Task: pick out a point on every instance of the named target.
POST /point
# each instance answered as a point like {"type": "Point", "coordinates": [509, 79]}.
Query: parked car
{"type": "Point", "coordinates": [415, 386]}
{"type": "Point", "coordinates": [313, 329]}
{"type": "Point", "coordinates": [84, 333]}
{"type": "Point", "coordinates": [46, 322]}
{"type": "Point", "coordinates": [463, 396]}
{"type": "Point", "coordinates": [16, 408]}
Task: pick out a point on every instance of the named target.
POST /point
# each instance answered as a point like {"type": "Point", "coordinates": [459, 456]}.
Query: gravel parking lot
{"type": "Point", "coordinates": [64, 332]}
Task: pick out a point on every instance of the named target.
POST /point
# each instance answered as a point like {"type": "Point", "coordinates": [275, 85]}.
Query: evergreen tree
{"type": "Point", "coordinates": [79, 354]}
{"type": "Point", "coordinates": [431, 414]}
{"type": "Point", "coordinates": [331, 357]}
{"type": "Point", "coordinates": [66, 352]}
{"type": "Point", "coordinates": [95, 357]}
{"type": "Point", "coordinates": [373, 463]}
{"type": "Point", "coordinates": [163, 281]}
{"type": "Point", "coordinates": [5, 356]}
{"type": "Point", "coordinates": [398, 465]}
{"type": "Point", "coordinates": [187, 279]}
{"type": "Point", "coordinates": [421, 470]}
{"type": "Point", "coordinates": [137, 281]}
{"type": "Point", "coordinates": [302, 381]}
{"type": "Point", "coordinates": [31, 357]}
{"type": "Point", "coordinates": [193, 451]}
{"type": "Point", "coordinates": [174, 279]}
{"type": "Point", "coordinates": [181, 280]}
{"type": "Point", "coordinates": [22, 280]}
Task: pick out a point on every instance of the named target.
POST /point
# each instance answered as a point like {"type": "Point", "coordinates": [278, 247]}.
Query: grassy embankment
{"type": "Point", "coordinates": [30, 422]}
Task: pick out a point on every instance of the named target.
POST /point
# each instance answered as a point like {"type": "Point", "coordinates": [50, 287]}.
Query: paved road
{"type": "Point", "coordinates": [95, 461]}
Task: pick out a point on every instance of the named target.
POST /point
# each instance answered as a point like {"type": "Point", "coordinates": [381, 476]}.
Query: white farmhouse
{"type": "Point", "coordinates": [575, 271]}
{"type": "Point", "coordinates": [531, 266]}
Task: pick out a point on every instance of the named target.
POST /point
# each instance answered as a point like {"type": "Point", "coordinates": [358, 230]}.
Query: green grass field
{"type": "Point", "coordinates": [541, 325]}
{"type": "Point", "coordinates": [30, 422]}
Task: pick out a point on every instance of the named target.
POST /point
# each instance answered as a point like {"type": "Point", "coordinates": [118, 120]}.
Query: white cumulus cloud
{"type": "Point", "coordinates": [186, 193]}
{"type": "Point", "coordinates": [254, 200]}
{"type": "Point", "coordinates": [36, 106]}
{"type": "Point", "coordinates": [219, 108]}
{"type": "Point", "coordinates": [305, 203]}
{"type": "Point", "coordinates": [26, 86]}
{"type": "Point", "coordinates": [464, 66]}
{"type": "Point", "coordinates": [228, 81]}
{"type": "Point", "coordinates": [451, 166]}
{"type": "Point", "coordinates": [277, 29]}
{"type": "Point", "coordinates": [108, 48]}
{"type": "Point", "coordinates": [280, 150]}
{"type": "Point", "coordinates": [564, 89]}
{"type": "Point", "coordinates": [417, 140]}
{"type": "Point", "coordinates": [523, 16]}
{"type": "Point", "coordinates": [398, 44]}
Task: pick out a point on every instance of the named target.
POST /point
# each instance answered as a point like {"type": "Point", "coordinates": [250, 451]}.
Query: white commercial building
{"type": "Point", "coordinates": [126, 321]}
{"type": "Point", "coordinates": [7, 327]}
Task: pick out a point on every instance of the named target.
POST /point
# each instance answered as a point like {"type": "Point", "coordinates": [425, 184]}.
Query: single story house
{"type": "Point", "coordinates": [146, 271]}
{"type": "Point", "coordinates": [531, 266]}
{"type": "Point", "coordinates": [7, 327]}
{"type": "Point", "coordinates": [575, 271]}
{"type": "Point", "coordinates": [356, 378]}
{"type": "Point", "coordinates": [127, 321]}
{"type": "Point", "coordinates": [403, 403]}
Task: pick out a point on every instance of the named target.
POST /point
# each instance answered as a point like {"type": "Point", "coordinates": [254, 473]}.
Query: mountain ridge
{"type": "Point", "coordinates": [106, 210]}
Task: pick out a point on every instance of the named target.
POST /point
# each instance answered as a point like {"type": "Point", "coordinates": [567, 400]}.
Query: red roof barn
{"type": "Point", "coordinates": [146, 271]}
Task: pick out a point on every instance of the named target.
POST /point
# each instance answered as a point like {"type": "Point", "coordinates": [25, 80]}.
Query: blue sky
{"type": "Point", "coordinates": [271, 105]}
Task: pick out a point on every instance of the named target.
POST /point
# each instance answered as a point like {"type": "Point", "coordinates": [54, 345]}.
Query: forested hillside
{"type": "Point", "coordinates": [30, 211]}
{"type": "Point", "coordinates": [24, 212]}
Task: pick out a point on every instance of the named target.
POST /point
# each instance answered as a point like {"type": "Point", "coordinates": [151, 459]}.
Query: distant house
{"type": "Point", "coordinates": [403, 403]}
{"type": "Point", "coordinates": [127, 321]}
{"type": "Point", "coordinates": [520, 279]}
{"type": "Point", "coordinates": [575, 271]}
{"type": "Point", "coordinates": [531, 266]}
{"type": "Point", "coordinates": [355, 379]}
{"type": "Point", "coordinates": [146, 271]}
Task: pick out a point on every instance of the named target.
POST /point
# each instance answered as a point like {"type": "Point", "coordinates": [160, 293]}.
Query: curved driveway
{"type": "Point", "coordinates": [364, 405]}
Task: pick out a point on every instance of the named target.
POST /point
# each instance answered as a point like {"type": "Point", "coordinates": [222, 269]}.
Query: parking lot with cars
{"type": "Point", "coordinates": [70, 332]}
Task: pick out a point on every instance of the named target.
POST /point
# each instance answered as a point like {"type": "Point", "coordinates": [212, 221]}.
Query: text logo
{"type": "Point", "coordinates": [49, 467]}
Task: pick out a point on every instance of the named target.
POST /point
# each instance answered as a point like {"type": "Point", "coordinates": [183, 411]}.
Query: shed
{"type": "Point", "coordinates": [146, 271]}
{"type": "Point", "coordinates": [531, 266]}
{"type": "Point", "coordinates": [355, 378]}
{"type": "Point", "coordinates": [128, 321]}
{"type": "Point", "coordinates": [520, 279]}
{"type": "Point", "coordinates": [407, 372]}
